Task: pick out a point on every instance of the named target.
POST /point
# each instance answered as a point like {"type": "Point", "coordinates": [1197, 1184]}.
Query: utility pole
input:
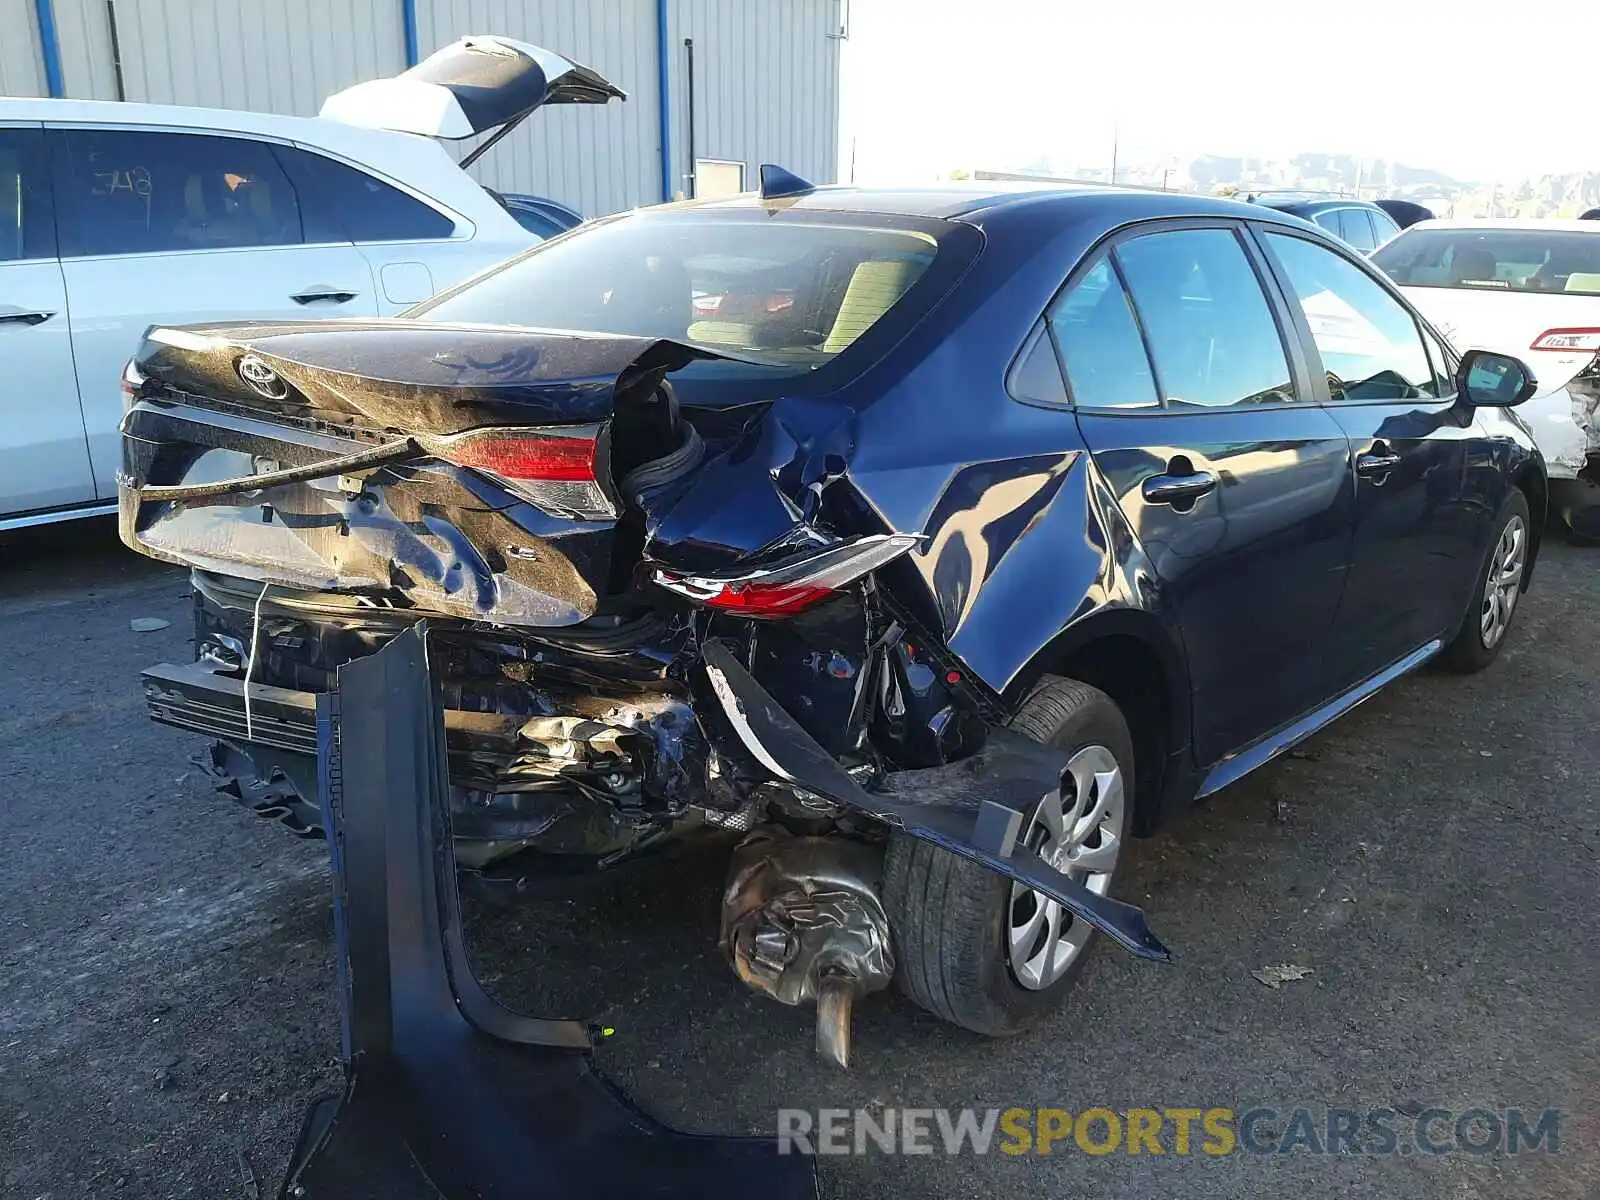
{"type": "Point", "coordinates": [1116, 135]}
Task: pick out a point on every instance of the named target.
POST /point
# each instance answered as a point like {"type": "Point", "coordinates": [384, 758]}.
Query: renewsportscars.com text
{"type": "Point", "coordinates": [1175, 1131]}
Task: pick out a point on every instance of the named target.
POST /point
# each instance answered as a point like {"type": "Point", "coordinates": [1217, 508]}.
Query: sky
{"type": "Point", "coordinates": [1485, 90]}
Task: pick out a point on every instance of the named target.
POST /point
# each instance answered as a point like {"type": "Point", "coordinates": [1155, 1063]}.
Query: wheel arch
{"type": "Point", "coordinates": [1532, 482]}
{"type": "Point", "coordinates": [1131, 656]}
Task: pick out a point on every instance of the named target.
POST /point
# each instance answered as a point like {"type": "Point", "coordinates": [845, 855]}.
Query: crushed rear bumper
{"type": "Point", "coordinates": [193, 697]}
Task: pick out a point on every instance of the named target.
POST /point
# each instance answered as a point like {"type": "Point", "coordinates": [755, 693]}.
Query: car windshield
{"type": "Point", "coordinates": [787, 293]}
{"type": "Point", "coordinates": [1517, 260]}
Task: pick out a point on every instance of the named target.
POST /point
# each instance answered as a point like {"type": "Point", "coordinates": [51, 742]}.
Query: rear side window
{"type": "Point", "coordinates": [1356, 228]}
{"type": "Point", "coordinates": [344, 204]}
{"type": "Point", "coordinates": [1329, 220]}
{"type": "Point", "coordinates": [1101, 348]}
{"type": "Point", "coordinates": [1382, 227]}
{"type": "Point", "coordinates": [1210, 329]}
{"type": "Point", "coordinates": [133, 192]}
{"type": "Point", "coordinates": [27, 225]}
{"type": "Point", "coordinates": [1036, 377]}
{"type": "Point", "coordinates": [1370, 345]}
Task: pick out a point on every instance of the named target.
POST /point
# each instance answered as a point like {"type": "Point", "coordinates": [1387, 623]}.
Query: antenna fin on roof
{"type": "Point", "coordinates": [777, 183]}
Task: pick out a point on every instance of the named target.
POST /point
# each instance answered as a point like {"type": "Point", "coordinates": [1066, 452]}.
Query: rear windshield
{"type": "Point", "coordinates": [789, 293]}
{"type": "Point", "coordinates": [1517, 260]}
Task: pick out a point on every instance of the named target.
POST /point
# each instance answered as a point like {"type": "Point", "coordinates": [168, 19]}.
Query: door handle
{"type": "Point", "coordinates": [17, 316]}
{"type": "Point", "coordinates": [315, 293]}
{"type": "Point", "coordinates": [1378, 461]}
{"type": "Point", "coordinates": [1178, 489]}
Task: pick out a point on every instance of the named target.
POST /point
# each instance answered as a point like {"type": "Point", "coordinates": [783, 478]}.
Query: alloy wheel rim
{"type": "Point", "coordinates": [1504, 584]}
{"type": "Point", "coordinates": [1078, 830]}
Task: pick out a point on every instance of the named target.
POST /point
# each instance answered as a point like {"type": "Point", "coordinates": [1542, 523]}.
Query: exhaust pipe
{"type": "Point", "coordinates": [802, 923]}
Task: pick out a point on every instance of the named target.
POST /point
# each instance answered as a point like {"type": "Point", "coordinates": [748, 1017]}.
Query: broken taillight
{"type": "Point", "coordinates": [532, 457]}
{"type": "Point", "coordinates": [560, 471]}
{"type": "Point", "coordinates": [790, 585]}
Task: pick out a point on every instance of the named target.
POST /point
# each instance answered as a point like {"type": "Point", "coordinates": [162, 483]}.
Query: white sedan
{"type": "Point", "coordinates": [1530, 288]}
{"type": "Point", "coordinates": [114, 217]}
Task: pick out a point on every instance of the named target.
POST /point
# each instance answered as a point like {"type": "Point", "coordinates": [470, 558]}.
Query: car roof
{"type": "Point", "coordinates": [1560, 224]}
{"type": "Point", "coordinates": [314, 130]}
{"type": "Point", "coordinates": [957, 200]}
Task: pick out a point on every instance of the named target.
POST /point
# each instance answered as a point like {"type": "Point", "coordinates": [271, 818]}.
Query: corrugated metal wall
{"type": "Point", "coordinates": [598, 159]}
{"type": "Point", "coordinates": [766, 75]}
{"type": "Point", "coordinates": [21, 67]}
{"type": "Point", "coordinates": [282, 57]}
{"type": "Point", "coordinates": [766, 79]}
{"type": "Point", "coordinates": [83, 32]}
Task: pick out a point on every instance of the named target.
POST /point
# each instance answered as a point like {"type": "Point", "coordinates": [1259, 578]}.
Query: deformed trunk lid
{"type": "Point", "coordinates": [469, 87]}
{"type": "Point", "coordinates": [408, 376]}
{"type": "Point", "coordinates": [408, 527]}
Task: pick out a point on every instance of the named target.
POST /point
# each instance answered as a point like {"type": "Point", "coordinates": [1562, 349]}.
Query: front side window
{"type": "Point", "coordinates": [1370, 345]}
{"type": "Point", "coordinates": [791, 293]}
{"type": "Point", "coordinates": [1101, 348]}
{"type": "Point", "coordinates": [1476, 259]}
{"type": "Point", "coordinates": [1210, 329]}
{"type": "Point", "coordinates": [27, 224]}
{"type": "Point", "coordinates": [132, 192]}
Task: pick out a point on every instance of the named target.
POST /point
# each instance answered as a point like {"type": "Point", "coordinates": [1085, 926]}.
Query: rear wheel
{"type": "Point", "coordinates": [996, 957]}
{"type": "Point", "coordinates": [1496, 591]}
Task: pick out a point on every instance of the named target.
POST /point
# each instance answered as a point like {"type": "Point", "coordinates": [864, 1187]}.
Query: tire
{"type": "Point", "coordinates": [950, 917]}
{"type": "Point", "coordinates": [1473, 648]}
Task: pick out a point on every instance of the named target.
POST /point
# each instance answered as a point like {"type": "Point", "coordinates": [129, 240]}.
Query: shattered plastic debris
{"type": "Point", "coordinates": [1276, 977]}
{"type": "Point", "coordinates": [147, 624]}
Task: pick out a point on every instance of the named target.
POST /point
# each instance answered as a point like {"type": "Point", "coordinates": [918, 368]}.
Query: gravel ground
{"type": "Point", "coordinates": [167, 1010]}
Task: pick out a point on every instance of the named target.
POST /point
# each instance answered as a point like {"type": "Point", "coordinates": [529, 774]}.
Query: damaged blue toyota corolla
{"type": "Point", "coordinates": [935, 541]}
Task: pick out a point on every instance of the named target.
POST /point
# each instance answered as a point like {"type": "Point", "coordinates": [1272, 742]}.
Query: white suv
{"type": "Point", "coordinates": [114, 217]}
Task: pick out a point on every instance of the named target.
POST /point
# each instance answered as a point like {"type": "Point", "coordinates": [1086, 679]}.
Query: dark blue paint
{"type": "Point", "coordinates": [1290, 583]}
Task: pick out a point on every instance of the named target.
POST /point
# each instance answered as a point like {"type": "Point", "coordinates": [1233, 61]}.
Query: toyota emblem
{"type": "Point", "coordinates": [262, 378]}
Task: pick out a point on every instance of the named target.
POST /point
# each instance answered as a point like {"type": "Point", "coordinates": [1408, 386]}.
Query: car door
{"type": "Point", "coordinates": [44, 462]}
{"type": "Point", "coordinates": [414, 247]}
{"type": "Point", "coordinates": [174, 228]}
{"type": "Point", "coordinates": [1416, 533]}
{"type": "Point", "coordinates": [1198, 412]}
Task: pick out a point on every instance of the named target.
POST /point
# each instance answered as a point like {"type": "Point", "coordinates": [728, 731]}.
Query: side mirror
{"type": "Point", "coordinates": [1489, 380]}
